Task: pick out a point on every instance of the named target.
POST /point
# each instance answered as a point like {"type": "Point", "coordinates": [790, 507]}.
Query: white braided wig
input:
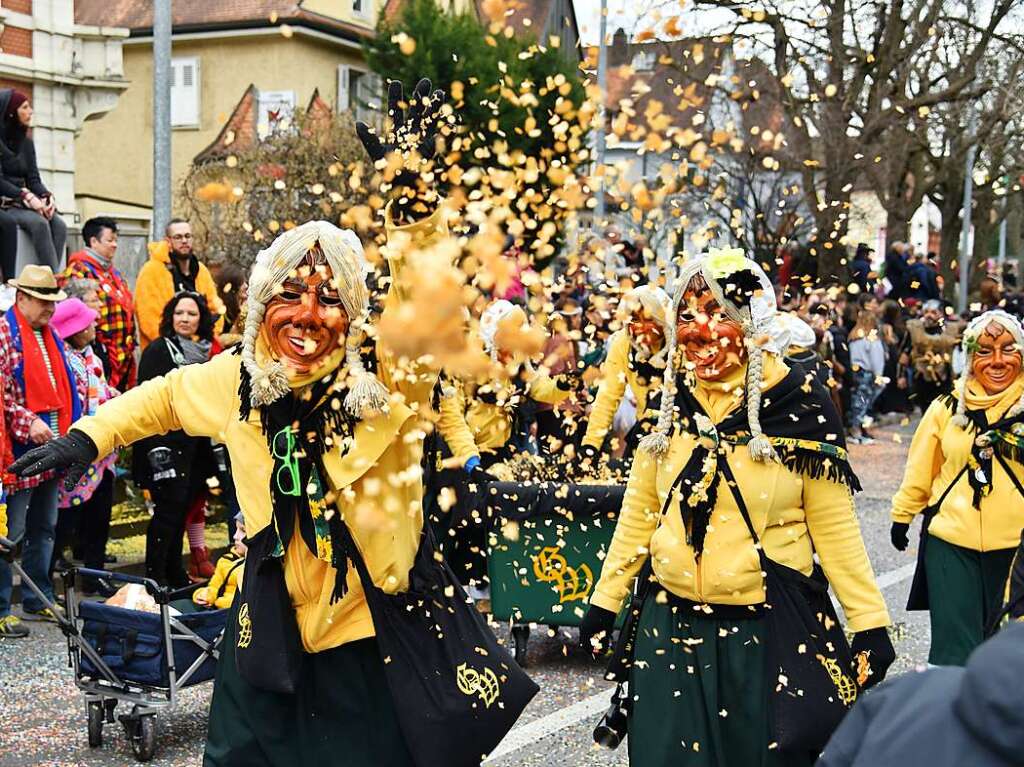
{"type": "Point", "coordinates": [755, 320]}
{"type": "Point", "coordinates": [274, 264]}
{"type": "Point", "coordinates": [491, 317]}
{"type": "Point", "coordinates": [658, 305]}
{"type": "Point", "coordinates": [972, 332]}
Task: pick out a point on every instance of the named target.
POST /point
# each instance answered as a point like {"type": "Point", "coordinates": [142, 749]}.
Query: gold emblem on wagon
{"type": "Point", "coordinates": [244, 626]}
{"type": "Point", "coordinates": [572, 583]}
{"type": "Point", "coordinates": [483, 684]}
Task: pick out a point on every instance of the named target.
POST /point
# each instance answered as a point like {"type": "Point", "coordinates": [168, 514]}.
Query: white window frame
{"type": "Point", "coordinates": [344, 90]}
{"type": "Point", "coordinates": [266, 99]}
{"type": "Point", "coordinates": [186, 104]}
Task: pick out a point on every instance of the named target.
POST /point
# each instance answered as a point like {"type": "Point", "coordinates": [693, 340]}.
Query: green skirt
{"type": "Point", "coordinates": [965, 592]}
{"type": "Point", "coordinates": [700, 693]}
{"type": "Point", "coordinates": [342, 713]}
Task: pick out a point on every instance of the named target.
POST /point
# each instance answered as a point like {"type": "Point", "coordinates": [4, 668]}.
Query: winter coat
{"type": "Point", "coordinates": [377, 483]}
{"type": "Point", "coordinates": [155, 286]}
{"type": "Point", "coordinates": [616, 374]}
{"type": "Point", "coordinates": [18, 166]}
{"type": "Point", "coordinates": [938, 452]}
{"type": "Point", "coordinates": [795, 515]}
{"type": "Point", "coordinates": [942, 717]}
{"type": "Point", "coordinates": [190, 453]}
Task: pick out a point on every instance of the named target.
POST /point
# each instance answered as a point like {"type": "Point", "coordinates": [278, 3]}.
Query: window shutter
{"type": "Point", "coordinates": [185, 83]}
{"type": "Point", "coordinates": [344, 91]}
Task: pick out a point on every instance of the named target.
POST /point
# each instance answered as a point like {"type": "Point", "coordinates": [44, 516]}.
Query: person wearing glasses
{"type": "Point", "coordinates": [172, 267]}
{"type": "Point", "coordinates": [174, 467]}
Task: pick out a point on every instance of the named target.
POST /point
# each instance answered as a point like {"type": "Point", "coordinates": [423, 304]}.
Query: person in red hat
{"type": "Point", "coordinates": [23, 196]}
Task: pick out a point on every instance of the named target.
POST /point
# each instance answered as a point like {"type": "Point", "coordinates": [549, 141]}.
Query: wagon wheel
{"type": "Point", "coordinates": [141, 731]}
{"type": "Point", "coordinates": [520, 638]}
{"type": "Point", "coordinates": [95, 710]}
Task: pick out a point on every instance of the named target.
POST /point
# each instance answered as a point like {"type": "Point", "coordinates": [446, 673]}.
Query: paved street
{"type": "Point", "coordinates": [44, 717]}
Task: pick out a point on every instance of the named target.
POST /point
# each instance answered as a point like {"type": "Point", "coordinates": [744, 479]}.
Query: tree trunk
{"type": "Point", "coordinates": [949, 250]}
{"type": "Point", "coordinates": [897, 225]}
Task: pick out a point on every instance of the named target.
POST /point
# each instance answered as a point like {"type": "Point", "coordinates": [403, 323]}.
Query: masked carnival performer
{"type": "Point", "coordinates": [964, 474]}
{"type": "Point", "coordinates": [636, 358]}
{"type": "Point", "coordinates": [326, 459]}
{"type": "Point", "coordinates": [744, 446]}
{"type": "Point", "coordinates": [483, 423]}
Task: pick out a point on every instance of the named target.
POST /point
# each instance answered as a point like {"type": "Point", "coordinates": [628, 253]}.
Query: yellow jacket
{"type": "Point", "coordinates": [795, 516]}
{"type": "Point", "coordinates": [471, 426]}
{"type": "Point", "coordinates": [154, 287]}
{"type": "Point", "coordinates": [615, 374]}
{"type": "Point", "coordinates": [378, 483]}
{"type": "Point", "coordinates": [937, 453]}
{"type": "Point", "coordinates": [226, 579]}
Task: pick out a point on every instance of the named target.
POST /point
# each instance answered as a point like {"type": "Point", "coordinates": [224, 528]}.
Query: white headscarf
{"type": "Point", "coordinates": [969, 344]}
{"type": "Point", "coordinates": [278, 261]}
{"type": "Point", "coordinates": [755, 319]}
{"type": "Point", "coordinates": [789, 330]}
{"type": "Point", "coordinates": [658, 305]}
{"type": "Point", "coordinates": [492, 316]}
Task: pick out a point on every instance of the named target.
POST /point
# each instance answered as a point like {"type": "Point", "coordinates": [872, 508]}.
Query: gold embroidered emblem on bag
{"type": "Point", "coordinates": [481, 683]}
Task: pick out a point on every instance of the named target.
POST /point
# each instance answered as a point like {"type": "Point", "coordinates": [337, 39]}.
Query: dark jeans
{"type": "Point", "coordinates": [926, 391]}
{"type": "Point", "coordinates": [8, 247]}
{"type": "Point", "coordinates": [172, 499]}
{"type": "Point", "coordinates": [32, 516]}
{"type": "Point", "coordinates": [48, 237]}
{"type": "Point", "coordinates": [87, 526]}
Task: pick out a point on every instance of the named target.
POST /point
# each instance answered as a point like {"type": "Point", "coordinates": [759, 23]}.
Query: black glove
{"type": "Point", "coordinates": [415, 186]}
{"type": "Point", "coordinates": [873, 653]}
{"type": "Point", "coordinates": [1016, 604]}
{"type": "Point", "coordinates": [596, 630]}
{"type": "Point", "coordinates": [72, 453]}
{"type": "Point", "coordinates": [898, 535]}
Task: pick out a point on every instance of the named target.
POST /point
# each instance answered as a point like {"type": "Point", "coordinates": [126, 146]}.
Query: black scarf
{"type": "Point", "coordinates": [297, 429]}
{"type": "Point", "coordinates": [797, 415]}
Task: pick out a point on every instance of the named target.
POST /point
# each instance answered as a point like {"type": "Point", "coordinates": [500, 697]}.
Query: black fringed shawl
{"type": "Point", "coordinates": [299, 429]}
{"type": "Point", "coordinates": [797, 416]}
{"type": "Point", "coordinates": [990, 440]}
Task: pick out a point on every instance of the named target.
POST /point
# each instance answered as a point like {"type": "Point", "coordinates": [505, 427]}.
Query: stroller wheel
{"type": "Point", "coordinates": [141, 731]}
{"type": "Point", "coordinates": [95, 711]}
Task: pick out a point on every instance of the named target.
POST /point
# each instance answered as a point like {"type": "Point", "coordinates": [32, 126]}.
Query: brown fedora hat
{"type": "Point", "coordinates": [39, 282]}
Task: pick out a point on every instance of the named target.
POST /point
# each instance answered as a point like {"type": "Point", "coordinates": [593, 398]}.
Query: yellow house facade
{"type": "Point", "coordinates": [217, 53]}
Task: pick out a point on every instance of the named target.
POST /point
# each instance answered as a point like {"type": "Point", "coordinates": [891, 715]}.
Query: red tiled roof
{"type": "Point", "coordinates": [137, 15]}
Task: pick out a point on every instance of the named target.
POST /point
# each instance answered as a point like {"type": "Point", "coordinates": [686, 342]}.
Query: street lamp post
{"type": "Point", "coordinates": [161, 115]}
{"type": "Point", "coordinates": [965, 234]}
{"type": "Point", "coordinates": [602, 86]}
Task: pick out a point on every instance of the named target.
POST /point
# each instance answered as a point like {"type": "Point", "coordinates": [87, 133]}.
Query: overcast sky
{"type": "Point", "coordinates": [588, 14]}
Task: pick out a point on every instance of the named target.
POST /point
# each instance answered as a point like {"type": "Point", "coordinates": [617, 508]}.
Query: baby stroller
{"type": "Point", "coordinates": [128, 656]}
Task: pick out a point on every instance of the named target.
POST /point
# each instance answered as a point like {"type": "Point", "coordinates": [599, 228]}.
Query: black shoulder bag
{"type": "Point", "coordinates": [457, 692]}
{"type": "Point", "coordinates": [810, 666]}
{"type": "Point", "coordinates": [918, 597]}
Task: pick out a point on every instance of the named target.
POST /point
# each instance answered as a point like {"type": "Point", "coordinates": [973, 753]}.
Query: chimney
{"type": "Point", "coordinates": [618, 54]}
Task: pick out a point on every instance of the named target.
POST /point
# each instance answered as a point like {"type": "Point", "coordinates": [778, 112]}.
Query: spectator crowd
{"type": "Point", "coordinates": [885, 344]}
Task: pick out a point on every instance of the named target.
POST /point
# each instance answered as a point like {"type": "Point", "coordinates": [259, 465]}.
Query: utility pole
{"type": "Point", "coordinates": [965, 234]}
{"type": "Point", "coordinates": [161, 115]}
{"type": "Point", "coordinates": [602, 86]}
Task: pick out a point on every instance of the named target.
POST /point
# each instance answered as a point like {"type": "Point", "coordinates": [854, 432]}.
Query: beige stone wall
{"type": "Point", "coordinates": [115, 154]}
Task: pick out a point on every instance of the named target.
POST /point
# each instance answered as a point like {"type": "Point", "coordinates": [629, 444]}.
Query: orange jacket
{"type": "Point", "coordinates": [155, 287]}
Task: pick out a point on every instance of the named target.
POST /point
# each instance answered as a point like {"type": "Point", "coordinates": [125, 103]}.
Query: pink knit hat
{"type": "Point", "coordinates": [71, 316]}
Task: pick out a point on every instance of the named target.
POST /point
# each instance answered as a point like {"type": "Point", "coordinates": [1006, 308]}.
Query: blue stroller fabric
{"type": "Point", "coordinates": [131, 643]}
